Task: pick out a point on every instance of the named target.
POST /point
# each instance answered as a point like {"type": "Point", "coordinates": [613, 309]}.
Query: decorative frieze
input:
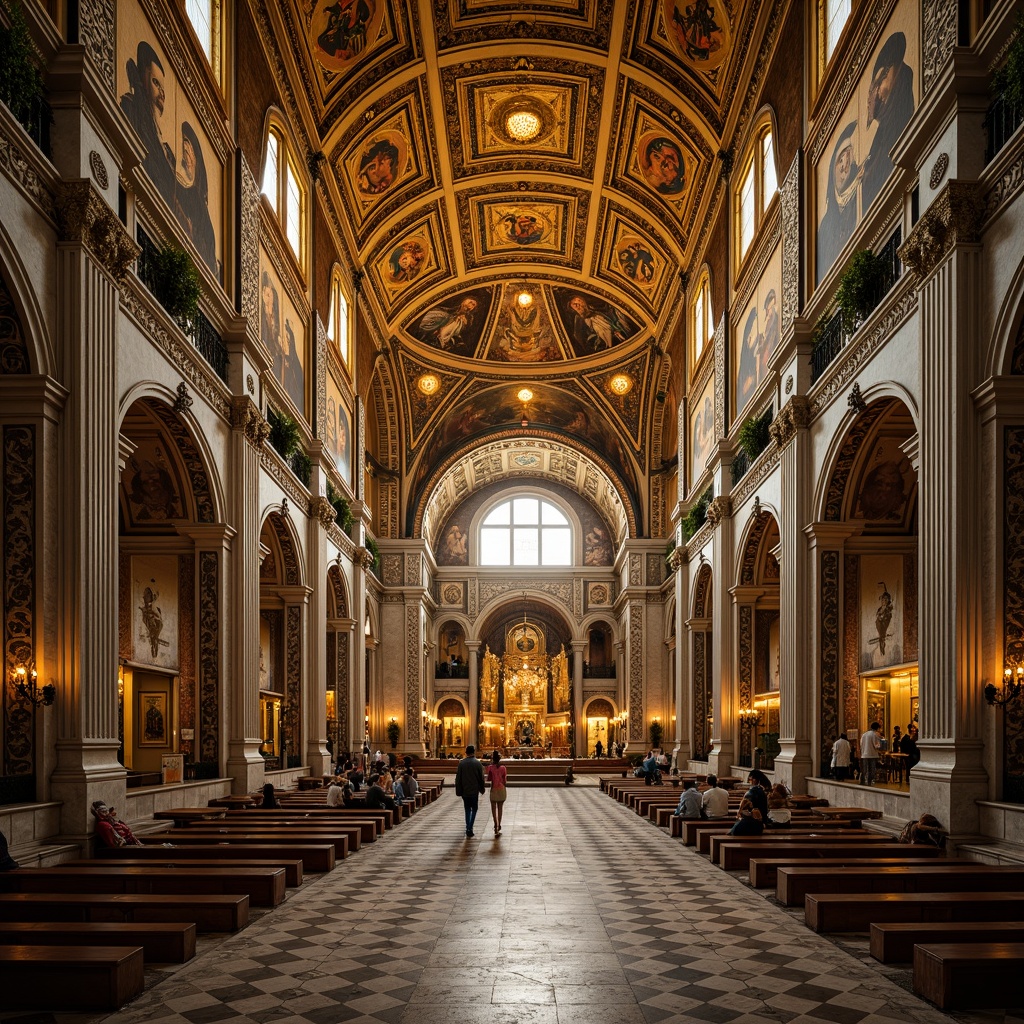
{"type": "Point", "coordinates": [793, 416]}
{"type": "Point", "coordinates": [392, 570]}
{"type": "Point", "coordinates": [96, 21]}
{"type": "Point", "coordinates": [413, 669]}
{"type": "Point", "coordinates": [209, 645]}
{"type": "Point", "coordinates": [939, 23]}
{"type": "Point", "coordinates": [954, 218]}
{"type": "Point", "coordinates": [789, 200]}
{"type": "Point", "coordinates": [829, 625]}
{"type": "Point", "coordinates": [245, 416]}
{"type": "Point", "coordinates": [249, 274]}
{"type": "Point", "coordinates": [83, 216]}
{"type": "Point", "coordinates": [636, 671]}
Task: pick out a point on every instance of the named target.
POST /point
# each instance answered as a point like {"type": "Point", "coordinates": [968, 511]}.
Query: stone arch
{"type": "Point", "coordinates": [1005, 355]}
{"type": "Point", "coordinates": [449, 709]}
{"type": "Point", "coordinates": [287, 565]}
{"type": "Point", "coordinates": [25, 344]}
{"type": "Point", "coordinates": [700, 673]}
{"type": "Point", "coordinates": [383, 394]}
{"type": "Point", "coordinates": [702, 591]}
{"type": "Point", "coordinates": [337, 594]}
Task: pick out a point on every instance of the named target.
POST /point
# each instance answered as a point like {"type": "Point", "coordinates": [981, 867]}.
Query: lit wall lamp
{"type": "Point", "coordinates": [749, 717]}
{"type": "Point", "coordinates": [24, 679]}
{"type": "Point", "coordinates": [1013, 684]}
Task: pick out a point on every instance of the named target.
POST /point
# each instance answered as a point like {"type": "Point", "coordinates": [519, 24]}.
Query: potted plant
{"type": "Point", "coordinates": [754, 436]}
{"type": "Point", "coordinates": [21, 83]}
{"type": "Point", "coordinates": [285, 436]}
{"type": "Point", "coordinates": [176, 286]}
{"type": "Point", "coordinates": [393, 732]}
{"type": "Point", "coordinates": [857, 294]}
{"type": "Point", "coordinates": [656, 733]}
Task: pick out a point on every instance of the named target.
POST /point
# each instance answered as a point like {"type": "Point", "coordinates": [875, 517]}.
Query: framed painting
{"type": "Point", "coordinates": [153, 726]}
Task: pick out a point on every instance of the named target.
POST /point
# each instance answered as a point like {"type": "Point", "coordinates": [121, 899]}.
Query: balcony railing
{"type": "Point", "coordinates": [832, 337]}
{"type": "Point", "coordinates": [598, 671]}
{"type": "Point", "coordinates": [1001, 121]}
{"type": "Point", "coordinates": [204, 335]}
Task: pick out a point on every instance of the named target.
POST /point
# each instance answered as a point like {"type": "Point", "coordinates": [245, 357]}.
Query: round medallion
{"type": "Point", "coordinates": [522, 119]}
{"type": "Point", "coordinates": [939, 169]}
{"type": "Point", "coordinates": [99, 169]}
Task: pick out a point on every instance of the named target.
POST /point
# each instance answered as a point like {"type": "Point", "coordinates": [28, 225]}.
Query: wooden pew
{"type": "Point", "coordinates": [171, 862]}
{"type": "Point", "coordinates": [385, 818]}
{"type": "Point", "coordinates": [163, 942]}
{"type": "Point", "coordinates": [691, 826]}
{"type": "Point", "coordinates": [277, 836]}
{"type": "Point", "coordinates": [316, 858]}
{"type": "Point", "coordinates": [763, 871]}
{"type": "Point", "coordinates": [844, 837]}
{"type": "Point", "coordinates": [70, 977]}
{"type": "Point", "coordinates": [894, 943]}
{"type": "Point", "coordinates": [209, 913]}
{"type": "Point", "coordinates": [856, 912]}
{"type": "Point", "coordinates": [264, 886]}
{"type": "Point", "coordinates": [737, 856]}
{"type": "Point", "coordinates": [969, 976]}
{"type": "Point", "coordinates": [794, 883]}
{"type": "Point", "coordinates": [663, 816]}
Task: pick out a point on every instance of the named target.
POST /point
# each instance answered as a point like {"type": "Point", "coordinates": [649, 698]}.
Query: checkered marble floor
{"type": "Point", "coordinates": [580, 913]}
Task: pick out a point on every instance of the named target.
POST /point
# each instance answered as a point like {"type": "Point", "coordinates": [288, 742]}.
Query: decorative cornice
{"type": "Point", "coordinates": [282, 475]}
{"type": "Point", "coordinates": [793, 416]}
{"type": "Point", "coordinates": [720, 508]}
{"type": "Point", "coordinates": [23, 164]}
{"type": "Point", "coordinates": [675, 559]}
{"type": "Point", "coordinates": [83, 216]}
{"type": "Point", "coordinates": [320, 508]}
{"type": "Point", "coordinates": [762, 467]}
{"type": "Point", "coordinates": [954, 218]}
{"type": "Point", "coordinates": [245, 416]}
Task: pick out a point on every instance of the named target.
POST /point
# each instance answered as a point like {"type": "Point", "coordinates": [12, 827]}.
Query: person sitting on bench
{"type": "Point", "coordinates": [376, 797]}
{"type": "Point", "coordinates": [715, 801]}
{"type": "Point", "coordinates": [410, 785]}
{"type": "Point", "coordinates": [110, 829]}
{"type": "Point", "coordinates": [748, 820]}
{"type": "Point", "coordinates": [779, 814]}
{"type": "Point", "coordinates": [270, 801]}
{"type": "Point", "coordinates": [689, 801]}
{"type": "Point", "coordinates": [336, 792]}
{"type": "Point", "coordinates": [7, 862]}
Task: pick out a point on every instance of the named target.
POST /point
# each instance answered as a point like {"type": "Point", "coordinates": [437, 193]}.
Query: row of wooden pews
{"type": "Point", "coordinates": [78, 936]}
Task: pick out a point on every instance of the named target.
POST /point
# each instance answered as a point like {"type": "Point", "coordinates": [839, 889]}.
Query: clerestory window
{"type": "Point", "coordinates": [526, 531]}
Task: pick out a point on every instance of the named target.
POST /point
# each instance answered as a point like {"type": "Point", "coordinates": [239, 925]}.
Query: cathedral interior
{"type": "Point", "coordinates": [416, 373]}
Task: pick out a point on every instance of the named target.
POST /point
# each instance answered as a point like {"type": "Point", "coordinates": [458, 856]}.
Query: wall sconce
{"type": "Point", "coordinates": [749, 717]}
{"type": "Point", "coordinates": [1013, 684]}
{"type": "Point", "coordinates": [393, 720]}
{"type": "Point", "coordinates": [24, 679]}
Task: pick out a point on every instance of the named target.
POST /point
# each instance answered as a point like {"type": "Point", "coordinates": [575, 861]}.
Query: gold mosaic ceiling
{"type": "Point", "coordinates": [522, 185]}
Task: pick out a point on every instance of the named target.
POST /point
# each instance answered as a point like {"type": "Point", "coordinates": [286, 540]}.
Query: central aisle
{"type": "Point", "coordinates": [580, 913]}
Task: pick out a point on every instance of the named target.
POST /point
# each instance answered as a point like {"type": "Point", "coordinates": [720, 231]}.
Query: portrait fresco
{"type": "Point", "coordinates": [283, 333]}
{"type": "Point", "coordinates": [342, 31]}
{"type": "Point", "coordinates": [702, 429]}
{"type": "Point", "coordinates": [153, 719]}
{"type": "Point", "coordinates": [662, 163]}
{"type": "Point", "coordinates": [514, 227]}
{"type": "Point", "coordinates": [523, 331]}
{"type": "Point", "coordinates": [151, 485]}
{"type": "Point", "coordinates": [756, 335]}
{"type": "Point", "coordinates": [699, 30]}
{"type": "Point", "coordinates": [381, 160]}
{"type": "Point", "coordinates": [597, 544]}
{"type": "Point", "coordinates": [180, 160]}
{"type": "Point", "coordinates": [410, 258]}
{"type": "Point", "coordinates": [855, 163]}
{"type": "Point", "coordinates": [637, 260]}
{"type": "Point", "coordinates": [591, 324]}
{"type": "Point", "coordinates": [338, 427]}
{"type": "Point", "coordinates": [456, 324]}
{"type": "Point", "coordinates": [155, 611]}
{"type": "Point", "coordinates": [887, 482]}
{"type": "Point", "coordinates": [454, 546]}
{"type": "Point", "coordinates": [881, 612]}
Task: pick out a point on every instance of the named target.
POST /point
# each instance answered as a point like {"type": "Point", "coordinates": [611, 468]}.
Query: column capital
{"type": "Point", "coordinates": [718, 509]}
{"type": "Point", "coordinates": [954, 218]}
{"type": "Point", "coordinates": [208, 536]}
{"type": "Point", "coordinates": [831, 535]}
{"type": "Point", "coordinates": [320, 508]}
{"type": "Point", "coordinates": [84, 217]}
{"type": "Point", "coordinates": [793, 416]}
{"type": "Point", "coordinates": [245, 416]}
{"type": "Point", "coordinates": [473, 645]}
{"type": "Point", "coordinates": [578, 646]}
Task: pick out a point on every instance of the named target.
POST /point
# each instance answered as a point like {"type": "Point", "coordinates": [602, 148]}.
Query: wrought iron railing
{"type": "Point", "coordinates": [203, 334]}
{"type": "Point", "coordinates": [1001, 120]}
{"type": "Point", "coordinates": [598, 671]}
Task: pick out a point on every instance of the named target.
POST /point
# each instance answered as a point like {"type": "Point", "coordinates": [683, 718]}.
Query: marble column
{"type": "Point", "coordinates": [578, 740]}
{"type": "Point", "coordinates": [473, 654]}
{"type": "Point", "coordinates": [94, 256]}
{"type": "Point", "coordinates": [319, 673]}
{"type": "Point", "coordinates": [249, 431]}
{"type": "Point", "coordinates": [683, 708]}
{"type": "Point", "coordinates": [943, 251]}
{"type": "Point", "coordinates": [723, 689]}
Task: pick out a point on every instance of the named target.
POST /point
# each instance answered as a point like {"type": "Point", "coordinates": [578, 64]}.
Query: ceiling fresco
{"type": "Point", "coordinates": [522, 185]}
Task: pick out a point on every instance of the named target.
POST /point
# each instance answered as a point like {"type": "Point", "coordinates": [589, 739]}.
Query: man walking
{"type": "Point", "coordinates": [870, 752]}
{"type": "Point", "coordinates": [469, 784]}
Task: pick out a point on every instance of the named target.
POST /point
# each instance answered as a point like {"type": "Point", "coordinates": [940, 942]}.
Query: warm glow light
{"type": "Point", "coordinates": [523, 125]}
{"type": "Point", "coordinates": [429, 384]}
{"type": "Point", "coordinates": [621, 384]}
{"type": "Point", "coordinates": [525, 298]}
{"type": "Point", "coordinates": [525, 395]}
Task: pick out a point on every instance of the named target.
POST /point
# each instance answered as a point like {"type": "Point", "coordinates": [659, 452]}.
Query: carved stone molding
{"type": "Point", "coordinates": [364, 558]}
{"type": "Point", "coordinates": [789, 197]}
{"type": "Point", "coordinates": [719, 509]}
{"type": "Point", "coordinates": [675, 560]}
{"type": "Point", "coordinates": [954, 218]}
{"type": "Point", "coordinates": [793, 416]}
{"type": "Point", "coordinates": [95, 31]}
{"type": "Point", "coordinates": [84, 217]}
{"type": "Point", "coordinates": [245, 415]}
{"type": "Point", "coordinates": [939, 19]}
{"type": "Point", "coordinates": [320, 508]}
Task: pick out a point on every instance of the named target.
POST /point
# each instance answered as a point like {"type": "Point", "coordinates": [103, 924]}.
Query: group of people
{"type": "Point", "coordinates": [614, 749]}
{"type": "Point", "coordinates": [764, 805]}
{"type": "Point", "coordinates": [471, 782]}
{"type": "Point", "coordinates": [871, 748]}
{"type": "Point", "coordinates": [386, 784]}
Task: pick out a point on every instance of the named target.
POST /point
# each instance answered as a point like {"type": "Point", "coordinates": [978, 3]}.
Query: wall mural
{"type": "Point", "coordinates": [179, 160]}
{"type": "Point", "coordinates": [155, 611]}
{"type": "Point", "coordinates": [757, 333]}
{"type": "Point", "coordinates": [702, 429]}
{"type": "Point", "coordinates": [637, 259]}
{"type": "Point", "coordinates": [887, 482]}
{"type": "Point", "coordinates": [152, 489]}
{"type": "Point", "coordinates": [855, 163]}
{"type": "Point", "coordinates": [881, 612]}
{"type": "Point", "coordinates": [699, 30]}
{"type": "Point", "coordinates": [660, 161]}
{"type": "Point", "coordinates": [457, 324]}
{"type": "Point", "coordinates": [284, 334]}
{"type": "Point", "coordinates": [341, 31]}
{"type": "Point", "coordinates": [504, 226]}
{"type": "Point", "coordinates": [524, 330]}
{"type": "Point", "coordinates": [412, 255]}
{"type": "Point", "coordinates": [338, 430]}
{"type": "Point", "coordinates": [592, 325]}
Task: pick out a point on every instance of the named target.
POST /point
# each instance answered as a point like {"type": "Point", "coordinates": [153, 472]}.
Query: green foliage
{"type": "Point", "coordinates": [1009, 79]}
{"type": "Point", "coordinates": [656, 733]}
{"type": "Point", "coordinates": [371, 546]}
{"type": "Point", "coordinates": [754, 436]}
{"type": "Point", "coordinates": [342, 510]}
{"type": "Point", "coordinates": [176, 286]}
{"type": "Point", "coordinates": [393, 733]}
{"type": "Point", "coordinates": [302, 467]}
{"type": "Point", "coordinates": [21, 84]}
{"type": "Point", "coordinates": [285, 437]}
{"type": "Point", "coordinates": [697, 516]}
{"type": "Point", "coordinates": [858, 288]}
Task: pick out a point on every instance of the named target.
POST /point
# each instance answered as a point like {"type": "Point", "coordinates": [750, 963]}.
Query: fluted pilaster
{"type": "Point", "coordinates": [579, 648]}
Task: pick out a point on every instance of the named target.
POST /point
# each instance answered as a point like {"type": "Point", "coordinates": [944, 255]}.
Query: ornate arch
{"type": "Point", "coordinates": [701, 592]}
{"type": "Point", "coordinates": [756, 563]}
{"type": "Point", "coordinates": [14, 353]}
{"type": "Point", "coordinates": [385, 403]}
{"type": "Point", "coordinates": [290, 570]}
{"type": "Point", "coordinates": [24, 340]}
{"type": "Point", "coordinates": [849, 451]}
{"type": "Point", "coordinates": [195, 465]}
{"type": "Point", "coordinates": [337, 597]}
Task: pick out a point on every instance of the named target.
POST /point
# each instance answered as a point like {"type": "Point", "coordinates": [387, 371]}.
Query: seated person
{"type": "Point", "coordinates": [335, 792]}
{"type": "Point", "coordinates": [387, 783]}
{"type": "Point", "coordinates": [758, 793]}
{"type": "Point", "coordinates": [748, 820]}
{"type": "Point", "coordinates": [376, 797]}
{"type": "Point", "coordinates": [926, 831]}
{"type": "Point", "coordinates": [715, 801]}
{"type": "Point", "coordinates": [356, 777]}
{"type": "Point", "coordinates": [7, 862]}
{"type": "Point", "coordinates": [111, 831]}
{"type": "Point", "coordinates": [650, 766]}
{"type": "Point", "coordinates": [270, 801]}
{"type": "Point", "coordinates": [410, 785]}
{"type": "Point", "coordinates": [779, 814]}
{"type": "Point", "coordinates": [689, 801]}
{"type": "Point", "coordinates": [398, 791]}
{"type": "Point", "coordinates": [663, 760]}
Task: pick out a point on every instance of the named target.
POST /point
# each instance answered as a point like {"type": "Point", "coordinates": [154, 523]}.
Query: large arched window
{"type": "Point", "coordinates": [702, 321]}
{"type": "Point", "coordinates": [758, 183]}
{"type": "Point", "coordinates": [526, 531]}
{"type": "Point", "coordinates": [337, 317]}
{"type": "Point", "coordinates": [283, 187]}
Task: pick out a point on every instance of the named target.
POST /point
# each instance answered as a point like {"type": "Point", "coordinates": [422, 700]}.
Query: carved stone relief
{"type": "Point", "coordinates": [745, 667]}
{"type": "Point", "coordinates": [209, 645]}
{"type": "Point", "coordinates": [293, 677]}
{"type": "Point", "coordinates": [14, 355]}
{"type": "Point", "coordinates": [636, 672]}
{"type": "Point", "coordinates": [790, 210]}
{"type": "Point", "coordinates": [830, 683]}
{"type": "Point", "coordinates": [939, 31]}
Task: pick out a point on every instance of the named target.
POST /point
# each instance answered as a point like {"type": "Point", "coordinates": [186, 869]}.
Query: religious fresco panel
{"type": "Point", "coordinates": [338, 430]}
{"type": "Point", "coordinates": [524, 329]}
{"type": "Point", "coordinates": [756, 334]}
{"type": "Point", "coordinates": [659, 160]}
{"type": "Point", "coordinates": [154, 597]}
{"type": "Point", "coordinates": [885, 488]}
{"type": "Point", "coordinates": [528, 225]}
{"type": "Point", "coordinates": [592, 324]}
{"type": "Point", "coordinates": [702, 429]}
{"type": "Point", "coordinates": [411, 257]}
{"type": "Point", "coordinates": [855, 162]}
{"type": "Point", "coordinates": [343, 32]}
{"type": "Point", "coordinates": [700, 31]}
{"type": "Point", "coordinates": [152, 492]}
{"type": "Point", "coordinates": [881, 612]}
{"type": "Point", "coordinates": [456, 324]}
{"type": "Point", "coordinates": [283, 332]}
{"type": "Point", "coordinates": [636, 258]}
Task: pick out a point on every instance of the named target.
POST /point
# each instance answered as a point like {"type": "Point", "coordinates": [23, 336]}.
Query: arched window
{"type": "Point", "coordinates": [337, 317]}
{"type": "Point", "coordinates": [205, 18]}
{"type": "Point", "coordinates": [758, 183]}
{"type": "Point", "coordinates": [526, 531]}
{"type": "Point", "coordinates": [833, 16]}
{"type": "Point", "coordinates": [282, 185]}
{"type": "Point", "coordinates": [702, 318]}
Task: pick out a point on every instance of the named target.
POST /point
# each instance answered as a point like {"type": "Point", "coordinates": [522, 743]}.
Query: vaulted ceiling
{"type": "Point", "coordinates": [546, 264]}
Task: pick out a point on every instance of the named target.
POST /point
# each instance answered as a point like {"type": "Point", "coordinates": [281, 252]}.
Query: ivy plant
{"type": "Point", "coordinates": [697, 516]}
{"type": "Point", "coordinates": [371, 546]}
{"type": "Point", "coordinates": [21, 84]}
{"type": "Point", "coordinates": [1009, 78]}
{"type": "Point", "coordinates": [176, 286]}
{"type": "Point", "coordinates": [754, 435]}
{"type": "Point", "coordinates": [285, 437]}
{"type": "Point", "coordinates": [342, 510]}
{"type": "Point", "coordinates": [858, 288]}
